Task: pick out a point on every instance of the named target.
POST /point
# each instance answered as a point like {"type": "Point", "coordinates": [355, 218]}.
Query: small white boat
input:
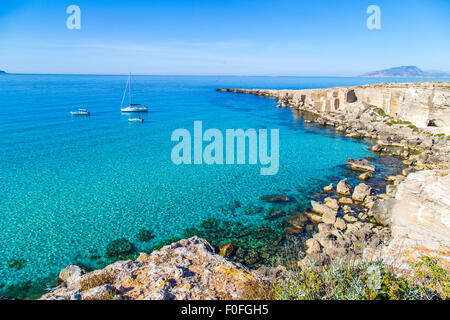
{"type": "Point", "coordinates": [136, 120]}
{"type": "Point", "coordinates": [132, 107]}
{"type": "Point", "coordinates": [80, 112]}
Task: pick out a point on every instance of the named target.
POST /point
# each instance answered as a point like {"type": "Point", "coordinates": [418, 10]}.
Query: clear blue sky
{"type": "Point", "coordinates": [223, 37]}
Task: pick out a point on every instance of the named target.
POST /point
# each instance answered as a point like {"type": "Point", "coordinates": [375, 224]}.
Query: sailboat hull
{"type": "Point", "coordinates": [134, 109]}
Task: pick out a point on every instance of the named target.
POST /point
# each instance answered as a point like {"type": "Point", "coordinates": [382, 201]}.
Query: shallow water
{"type": "Point", "coordinates": [69, 185]}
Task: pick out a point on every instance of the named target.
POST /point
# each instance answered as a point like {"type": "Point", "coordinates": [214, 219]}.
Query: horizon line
{"type": "Point", "coordinates": [222, 75]}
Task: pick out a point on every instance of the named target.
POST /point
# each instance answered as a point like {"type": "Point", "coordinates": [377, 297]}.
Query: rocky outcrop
{"type": "Point", "coordinates": [187, 269]}
{"type": "Point", "coordinates": [422, 207]}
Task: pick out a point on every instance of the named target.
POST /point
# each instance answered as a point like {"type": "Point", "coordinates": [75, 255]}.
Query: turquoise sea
{"type": "Point", "coordinates": [70, 185]}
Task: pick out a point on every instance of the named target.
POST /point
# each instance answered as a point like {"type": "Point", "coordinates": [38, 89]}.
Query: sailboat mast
{"type": "Point", "coordinates": [129, 92]}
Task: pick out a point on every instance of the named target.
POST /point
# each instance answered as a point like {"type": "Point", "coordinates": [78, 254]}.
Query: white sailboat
{"type": "Point", "coordinates": [132, 107]}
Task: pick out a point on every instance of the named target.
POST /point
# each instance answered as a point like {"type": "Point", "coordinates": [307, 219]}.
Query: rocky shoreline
{"type": "Point", "coordinates": [402, 223]}
{"type": "Point", "coordinates": [354, 223]}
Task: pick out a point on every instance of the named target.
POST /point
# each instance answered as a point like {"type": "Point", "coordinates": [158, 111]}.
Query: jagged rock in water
{"type": "Point", "coordinates": [361, 165]}
{"type": "Point", "coordinates": [226, 249]}
{"type": "Point", "coordinates": [365, 176]}
{"type": "Point", "coordinates": [343, 188]}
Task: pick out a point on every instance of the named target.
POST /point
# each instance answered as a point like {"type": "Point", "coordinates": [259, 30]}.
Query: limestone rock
{"type": "Point", "coordinates": [422, 207]}
{"type": "Point", "coordinates": [340, 224]}
{"type": "Point", "coordinates": [382, 210]}
{"type": "Point", "coordinates": [349, 218]}
{"type": "Point", "coordinates": [329, 217]}
{"type": "Point", "coordinates": [344, 188]}
{"type": "Point", "coordinates": [331, 203]}
{"type": "Point", "coordinates": [312, 246]}
{"type": "Point", "coordinates": [365, 176]}
{"type": "Point", "coordinates": [315, 218]}
{"type": "Point", "coordinates": [328, 188]}
{"type": "Point", "coordinates": [345, 201]}
{"type": "Point", "coordinates": [321, 209]}
{"type": "Point", "coordinates": [361, 191]}
{"type": "Point", "coordinates": [361, 165]}
{"type": "Point", "coordinates": [377, 148]}
{"type": "Point", "coordinates": [71, 273]}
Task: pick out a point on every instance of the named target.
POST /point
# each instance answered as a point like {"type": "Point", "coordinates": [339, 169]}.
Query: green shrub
{"type": "Point", "coordinates": [432, 276]}
{"type": "Point", "coordinates": [367, 281]}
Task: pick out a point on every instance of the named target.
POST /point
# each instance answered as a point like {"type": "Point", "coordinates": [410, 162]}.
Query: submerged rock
{"type": "Point", "coordinates": [145, 235]}
{"type": "Point", "coordinates": [275, 198]}
{"type": "Point", "coordinates": [298, 220]}
{"type": "Point", "coordinates": [118, 247]}
{"type": "Point", "coordinates": [17, 263]}
{"type": "Point", "coordinates": [274, 214]}
{"type": "Point", "coordinates": [293, 230]}
{"type": "Point", "coordinates": [252, 209]}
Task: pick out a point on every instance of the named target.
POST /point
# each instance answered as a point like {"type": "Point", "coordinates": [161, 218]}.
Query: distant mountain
{"type": "Point", "coordinates": [2, 72]}
{"type": "Point", "coordinates": [406, 72]}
